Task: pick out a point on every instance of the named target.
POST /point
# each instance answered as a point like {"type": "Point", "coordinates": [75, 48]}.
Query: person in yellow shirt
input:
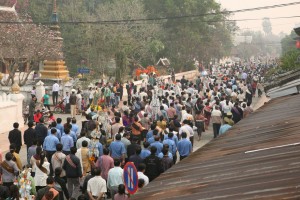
{"type": "Point", "coordinates": [16, 156]}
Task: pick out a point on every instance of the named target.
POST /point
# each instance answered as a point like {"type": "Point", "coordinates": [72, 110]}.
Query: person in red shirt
{"type": "Point", "coordinates": [37, 116]}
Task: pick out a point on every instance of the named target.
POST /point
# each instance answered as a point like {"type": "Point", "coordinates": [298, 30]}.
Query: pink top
{"type": "Point", "coordinates": [121, 197]}
{"type": "Point", "coordinates": [105, 162]}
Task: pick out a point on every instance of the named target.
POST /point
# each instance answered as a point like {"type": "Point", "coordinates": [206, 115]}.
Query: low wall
{"type": "Point", "coordinates": [189, 75]}
{"type": "Point", "coordinates": [11, 111]}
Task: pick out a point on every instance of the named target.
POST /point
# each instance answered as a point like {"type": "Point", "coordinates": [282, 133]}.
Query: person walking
{"type": "Point", "coordinates": [216, 118]}
{"type": "Point", "coordinates": [153, 165]}
{"type": "Point", "coordinates": [41, 171]}
{"type": "Point", "coordinates": [15, 137]}
{"type": "Point", "coordinates": [29, 135]}
{"type": "Point", "coordinates": [50, 147]}
{"type": "Point", "coordinates": [96, 186]}
{"type": "Point", "coordinates": [58, 159]}
{"type": "Point", "coordinates": [184, 146]}
{"type": "Point", "coordinates": [117, 149]}
{"type": "Point", "coordinates": [41, 131]}
{"type": "Point", "coordinates": [67, 142]}
{"type": "Point", "coordinates": [46, 100]}
{"type": "Point", "coordinates": [115, 178]}
{"type": "Point", "coordinates": [8, 170]}
{"type": "Point", "coordinates": [73, 172]}
{"type": "Point", "coordinates": [105, 163]}
{"type": "Point", "coordinates": [73, 102]}
{"type": "Point", "coordinates": [55, 90]}
{"type": "Point", "coordinates": [32, 105]}
{"type": "Point", "coordinates": [42, 193]}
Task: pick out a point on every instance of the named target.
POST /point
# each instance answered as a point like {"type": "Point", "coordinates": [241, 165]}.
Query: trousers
{"type": "Point", "coordinates": [73, 110]}
{"type": "Point", "coordinates": [73, 187]}
{"type": "Point", "coordinates": [216, 128]}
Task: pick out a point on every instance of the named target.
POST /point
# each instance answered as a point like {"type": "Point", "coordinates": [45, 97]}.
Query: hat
{"type": "Point", "coordinates": [73, 90]}
{"type": "Point", "coordinates": [228, 113]}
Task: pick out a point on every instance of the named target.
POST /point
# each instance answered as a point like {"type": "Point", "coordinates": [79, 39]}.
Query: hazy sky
{"type": "Point", "coordinates": [278, 25]}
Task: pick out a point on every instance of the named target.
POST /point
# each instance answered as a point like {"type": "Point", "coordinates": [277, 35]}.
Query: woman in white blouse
{"type": "Point", "coordinates": [41, 171]}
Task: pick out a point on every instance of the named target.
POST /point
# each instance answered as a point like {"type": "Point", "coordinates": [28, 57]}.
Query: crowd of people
{"type": "Point", "coordinates": [154, 128]}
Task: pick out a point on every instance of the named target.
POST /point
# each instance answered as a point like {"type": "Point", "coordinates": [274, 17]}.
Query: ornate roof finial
{"type": "Point", "coordinates": [54, 17]}
{"type": "Point", "coordinates": [54, 7]}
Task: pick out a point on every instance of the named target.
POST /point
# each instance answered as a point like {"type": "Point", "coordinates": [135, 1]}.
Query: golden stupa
{"type": "Point", "coordinates": [56, 68]}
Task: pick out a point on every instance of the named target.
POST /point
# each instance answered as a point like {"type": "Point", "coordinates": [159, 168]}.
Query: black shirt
{"type": "Point", "coordinates": [136, 159]}
{"type": "Point", "coordinates": [153, 167]}
{"type": "Point", "coordinates": [15, 137]}
{"type": "Point", "coordinates": [63, 188]}
{"type": "Point", "coordinates": [29, 136]}
{"type": "Point", "coordinates": [131, 149]}
{"type": "Point", "coordinates": [41, 132]}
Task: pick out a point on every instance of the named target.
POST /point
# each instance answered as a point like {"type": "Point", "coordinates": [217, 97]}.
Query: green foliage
{"type": "Point", "coordinates": [288, 43]}
{"type": "Point", "coordinates": [181, 40]}
{"type": "Point", "coordinates": [267, 26]}
{"type": "Point", "coordinates": [202, 37]}
{"type": "Point", "coordinates": [289, 60]}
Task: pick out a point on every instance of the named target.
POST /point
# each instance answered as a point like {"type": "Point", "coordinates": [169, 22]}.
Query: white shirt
{"type": "Point", "coordinates": [40, 177]}
{"type": "Point", "coordinates": [142, 95]}
{"type": "Point", "coordinates": [188, 130]}
{"type": "Point", "coordinates": [115, 177]}
{"type": "Point", "coordinates": [96, 185]}
{"type": "Point", "coordinates": [141, 175]}
{"type": "Point", "coordinates": [80, 140]}
{"type": "Point", "coordinates": [55, 87]}
{"type": "Point", "coordinates": [216, 113]}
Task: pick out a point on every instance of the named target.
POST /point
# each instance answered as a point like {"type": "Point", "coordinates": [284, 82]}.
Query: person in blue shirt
{"type": "Point", "coordinates": [67, 142]}
{"type": "Point", "coordinates": [150, 132]}
{"type": "Point", "coordinates": [225, 127]}
{"type": "Point", "coordinates": [72, 133]}
{"type": "Point", "coordinates": [75, 127]}
{"type": "Point", "coordinates": [58, 133]}
{"type": "Point", "coordinates": [157, 144]}
{"type": "Point", "coordinates": [184, 146]}
{"type": "Point", "coordinates": [161, 155]}
{"type": "Point", "coordinates": [151, 139]}
{"type": "Point", "coordinates": [49, 146]}
{"type": "Point", "coordinates": [59, 126]}
{"type": "Point", "coordinates": [145, 152]}
{"type": "Point", "coordinates": [117, 149]}
{"type": "Point", "coordinates": [174, 138]}
{"type": "Point", "coordinates": [172, 146]}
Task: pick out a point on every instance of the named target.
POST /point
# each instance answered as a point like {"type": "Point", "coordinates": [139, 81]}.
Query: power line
{"type": "Point", "coordinates": [122, 21]}
{"type": "Point", "coordinates": [115, 23]}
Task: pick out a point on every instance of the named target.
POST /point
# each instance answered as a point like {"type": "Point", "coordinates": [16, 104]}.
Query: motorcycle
{"type": "Point", "coordinates": [60, 107]}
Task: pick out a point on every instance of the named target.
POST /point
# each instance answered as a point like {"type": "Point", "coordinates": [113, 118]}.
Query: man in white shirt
{"type": "Point", "coordinates": [143, 94]}
{"type": "Point", "coordinates": [141, 175]}
{"type": "Point", "coordinates": [96, 186]}
{"type": "Point", "coordinates": [67, 102]}
{"type": "Point", "coordinates": [188, 130]}
{"type": "Point", "coordinates": [216, 119]}
{"type": "Point", "coordinates": [55, 90]}
{"type": "Point", "coordinates": [81, 139]}
{"type": "Point", "coordinates": [115, 177]}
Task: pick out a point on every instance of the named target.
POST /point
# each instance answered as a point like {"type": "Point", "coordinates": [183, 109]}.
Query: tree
{"type": "Point", "coordinates": [267, 26]}
{"type": "Point", "coordinates": [290, 60]}
{"type": "Point", "coordinates": [288, 43]}
{"type": "Point", "coordinates": [202, 37]}
{"type": "Point", "coordinates": [121, 62]}
{"type": "Point", "coordinates": [25, 45]}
